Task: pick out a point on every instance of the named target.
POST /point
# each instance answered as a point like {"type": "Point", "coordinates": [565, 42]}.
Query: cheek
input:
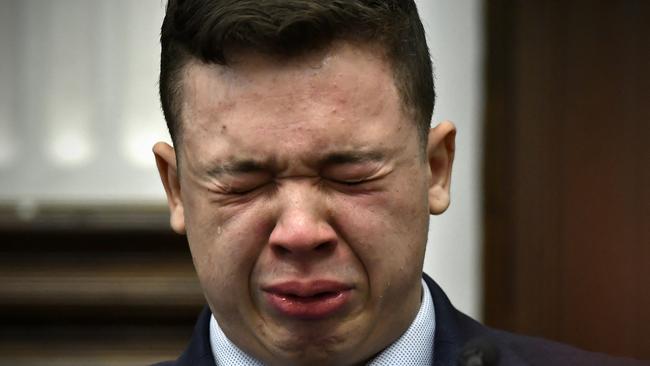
{"type": "Point", "coordinates": [387, 232]}
{"type": "Point", "coordinates": [225, 247]}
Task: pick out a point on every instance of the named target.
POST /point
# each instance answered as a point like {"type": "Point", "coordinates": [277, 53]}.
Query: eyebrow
{"type": "Point", "coordinates": [335, 158]}
{"type": "Point", "coordinates": [237, 167]}
{"type": "Point", "coordinates": [352, 157]}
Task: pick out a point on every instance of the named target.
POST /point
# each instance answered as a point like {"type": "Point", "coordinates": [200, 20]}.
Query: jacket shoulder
{"type": "Point", "coordinates": [198, 351]}
{"type": "Point", "coordinates": [456, 331]}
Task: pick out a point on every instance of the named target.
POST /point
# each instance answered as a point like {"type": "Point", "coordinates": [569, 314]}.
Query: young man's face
{"type": "Point", "coordinates": [304, 195]}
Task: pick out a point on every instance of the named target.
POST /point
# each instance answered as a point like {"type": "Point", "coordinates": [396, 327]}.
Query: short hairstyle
{"type": "Point", "coordinates": [208, 30]}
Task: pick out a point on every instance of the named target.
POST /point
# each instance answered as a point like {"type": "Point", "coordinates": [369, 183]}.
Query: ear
{"type": "Point", "coordinates": [166, 162]}
{"type": "Point", "coordinates": [440, 155]}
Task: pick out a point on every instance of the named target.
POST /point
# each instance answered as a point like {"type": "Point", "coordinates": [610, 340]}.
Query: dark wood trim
{"type": "Point", "coordinates": [567, 253]}
{"type": "Point", "coordinates": [497, 177]}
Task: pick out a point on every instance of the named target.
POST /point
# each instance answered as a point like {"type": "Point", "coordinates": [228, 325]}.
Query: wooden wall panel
{"type": "Point", "coordinates": [94, 286]}
{"type": "Point", "coordinates": [566, 172]}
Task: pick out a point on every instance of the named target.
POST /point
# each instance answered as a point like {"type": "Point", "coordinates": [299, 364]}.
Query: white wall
{"type": "Point", "coordinates": [454, 32]}
{"type": "Point", "coordinates": [79, 107]}
{"type": "Point", "coordinates": [79, 113]}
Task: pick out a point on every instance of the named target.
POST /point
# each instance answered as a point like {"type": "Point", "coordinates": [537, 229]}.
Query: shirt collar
{"type": "Point", "coordinates": [414, 347]}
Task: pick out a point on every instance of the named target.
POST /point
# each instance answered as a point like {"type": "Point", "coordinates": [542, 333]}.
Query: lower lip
{"type": "Point", "coordinates": [309, 308]}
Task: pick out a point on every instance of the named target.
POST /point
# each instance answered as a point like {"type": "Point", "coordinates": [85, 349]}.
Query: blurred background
{"type": "Point", "coordinates": [548, 232]}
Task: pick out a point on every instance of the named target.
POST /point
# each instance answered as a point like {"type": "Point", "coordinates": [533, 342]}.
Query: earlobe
{"type": "Point", "coordinates": [167, 168]}
{"type": "Point", "coordinates": [441, 146]}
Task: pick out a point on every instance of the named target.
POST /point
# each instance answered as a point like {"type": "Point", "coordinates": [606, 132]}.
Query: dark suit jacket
{"type": "Point", "coordinates": [453, 330]}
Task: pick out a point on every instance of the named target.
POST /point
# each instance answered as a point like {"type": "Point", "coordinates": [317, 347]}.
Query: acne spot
{"type": "Point", "coordinates": [224, 128]}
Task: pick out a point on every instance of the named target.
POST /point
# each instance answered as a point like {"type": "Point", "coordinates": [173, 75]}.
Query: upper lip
{"type": "Point", "coordinates": [306, 288]}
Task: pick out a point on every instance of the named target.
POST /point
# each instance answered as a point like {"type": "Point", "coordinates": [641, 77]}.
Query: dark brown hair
{"type": "Point", "coordinates": [207, 30]}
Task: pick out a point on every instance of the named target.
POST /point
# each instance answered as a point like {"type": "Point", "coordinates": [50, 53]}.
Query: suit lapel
{"type": "Point", "coordinates": [199, 352]}
{"type": "Point", "coordinates": [448, 338]}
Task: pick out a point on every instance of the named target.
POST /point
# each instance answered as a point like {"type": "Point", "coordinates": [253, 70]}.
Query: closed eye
{"type": "Point", "coordinates": [244, 190]}
{"type": "Point", "coordinates": [356, 185]}
{"type": "Point", "coordinates": [351, 182]}
{"type": "Point", "coordinates": [241, 192]}
{"type": "Point", "coordinates": [241, 185]}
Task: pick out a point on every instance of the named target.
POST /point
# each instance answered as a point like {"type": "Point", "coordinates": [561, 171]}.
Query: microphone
{"type": "Point", "coordinates": [479, 352]}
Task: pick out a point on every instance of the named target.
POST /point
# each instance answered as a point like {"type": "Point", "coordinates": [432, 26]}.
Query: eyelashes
{"type": "Point", "coordinates": [248, 189]}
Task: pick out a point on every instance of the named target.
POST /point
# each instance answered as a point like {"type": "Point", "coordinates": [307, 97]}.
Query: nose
{"type": "Point", "coordinates": [302, 230]}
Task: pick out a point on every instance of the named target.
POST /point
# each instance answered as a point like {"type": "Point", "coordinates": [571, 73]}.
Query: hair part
{"type": "Point", "coordinates": [211, 31]}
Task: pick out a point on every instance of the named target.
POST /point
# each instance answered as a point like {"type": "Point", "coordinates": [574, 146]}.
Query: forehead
{"type": "Point", "coordinates": [250, 73]}
{"type": "Point", "coordinates": [311, 101]}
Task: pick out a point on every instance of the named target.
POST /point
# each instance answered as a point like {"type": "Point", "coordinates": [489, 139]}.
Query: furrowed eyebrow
{"type": "Point", "coordinates": [254, 166]}
{"type": "Point", "coordinates": [237, 167]}
{"type": "Point", "coordinates": [352, 157]}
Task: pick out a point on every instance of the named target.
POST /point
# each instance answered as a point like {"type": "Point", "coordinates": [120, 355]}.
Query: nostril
{"type": "Point", "coordinates": [324, 247]}
{"type": "Point", "coordinates": [281, 251]}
